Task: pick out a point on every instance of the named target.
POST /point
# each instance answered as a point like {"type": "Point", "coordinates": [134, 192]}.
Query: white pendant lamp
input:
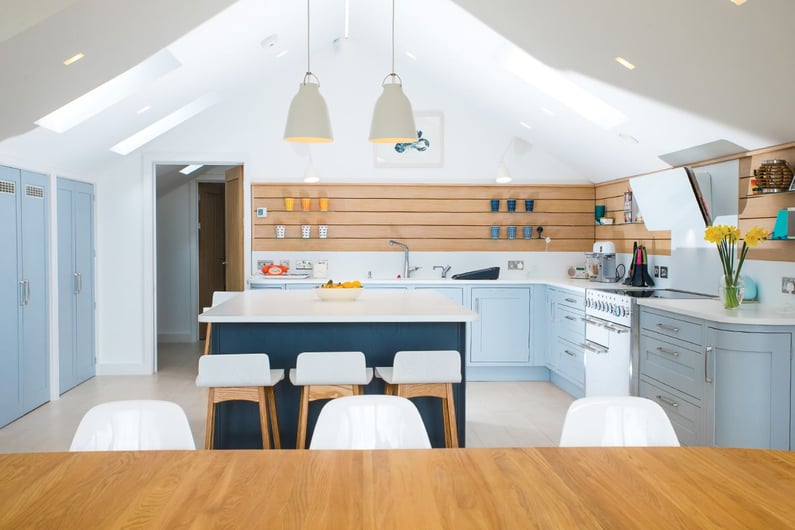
{"type": "Point", "coordinates": [503, 175]}
{"type": "Point", "coordinates": [393, 117]}
{"type": "Point", "coordinates": [308, 120]}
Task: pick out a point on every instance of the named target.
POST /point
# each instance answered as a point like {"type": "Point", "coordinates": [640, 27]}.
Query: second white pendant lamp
{"type": "Point", "coordinates": [308, 120]}
{"type": "Point", "coordinates": [393, 117]}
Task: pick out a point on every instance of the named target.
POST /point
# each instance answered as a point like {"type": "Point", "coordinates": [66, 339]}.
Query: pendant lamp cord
{"type": "Point", "coordinates": [308, 70]}
{"type": "Point", "coordinates": [393, 37]}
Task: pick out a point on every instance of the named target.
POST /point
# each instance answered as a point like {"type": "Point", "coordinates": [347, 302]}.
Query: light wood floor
{"type": "Point", "coordinates": [498, 414]}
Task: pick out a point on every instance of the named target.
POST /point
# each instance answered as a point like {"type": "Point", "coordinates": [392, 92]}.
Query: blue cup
{"type": "Point", "coordinates": [511, 232]}
{"type": "Point", "coordinates": [511, 205]}
{"type": "Point", "coordinates": [528, 232]}
{"type": "Point", "coordinates": [495, 205]}
{"type": "Point", "coordinates": [528, 205]}
{"type": "Point", "coordinates": [495, 232]}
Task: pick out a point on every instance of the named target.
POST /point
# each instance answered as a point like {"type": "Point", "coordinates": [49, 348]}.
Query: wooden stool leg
{"type": "Point", "coordinates": [207, 338]}
{"type": "Point", "coordinates": [263, 417]}
{"type": "Point", "coordinates": [270, 396]}
{"type": "Point", "coordinates": [209, 428]}
{"type": "Point", "coordinates": [450, 422]}
{"type": "Point", "coordinates": [303, 409]}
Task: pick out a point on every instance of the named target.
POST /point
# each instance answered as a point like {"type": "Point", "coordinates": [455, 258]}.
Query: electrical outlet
{"type": "Point", "coordinates": [788, 285]}
{"type": "Point", "coordinates": [262, 212]}
{"type": "Point", "coordinates": [515, 265]}
{"type": "Point", "coordinates": [656, 271]}
{"type": "Point", "coordinates": [663, 272]}
{"type": "Point", "coordinates": [303, 264]}
{"type": "Point", "coordinates": [262, 262]}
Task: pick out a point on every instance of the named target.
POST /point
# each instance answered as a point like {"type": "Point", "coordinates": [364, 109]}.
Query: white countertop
{"type": "Point", "coordinates": [303, 306]}
{"type": "Point", "coordinates": [749, 313]}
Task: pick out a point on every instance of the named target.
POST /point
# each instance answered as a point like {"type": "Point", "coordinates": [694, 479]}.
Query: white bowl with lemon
{"type": "Point", "coordinates": [341, 291]}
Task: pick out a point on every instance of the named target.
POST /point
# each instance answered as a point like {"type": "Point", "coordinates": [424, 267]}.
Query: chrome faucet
{"type": "Point", "coordinates": [445, 269]}
{"type": "Point", "coordinates": [407, 269]}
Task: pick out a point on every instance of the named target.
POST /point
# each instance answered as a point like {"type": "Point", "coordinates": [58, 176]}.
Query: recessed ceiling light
{"type": "Point", "coordinates": [143, 109]}
{"type": "Point", "coordinates": [525, 125]}
{"type": "Point", "coordinates": [626, 64]}
{"type": "Point", "coordinates": [74, 58]}
{"type": "Point", "coordinates": [147, 134]}
{"type": "Point", "coordinates": [411, 56]}
{"type": "Point", "coordinates": [187, 170]}
{"type": "Point", "coordinates": [738, 2]}
{"type": "Point", "coordinates": [282, 54]}
{"type": "Point", "coordinates": [123, 85]}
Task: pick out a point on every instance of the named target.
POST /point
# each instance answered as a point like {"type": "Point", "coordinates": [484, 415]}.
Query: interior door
{"type": "Point", "coordinates": [212, 245]}
{"type": "Point", "coordinates": [235, 268]}
{"type": "Point", "coordinates": [10, 295]}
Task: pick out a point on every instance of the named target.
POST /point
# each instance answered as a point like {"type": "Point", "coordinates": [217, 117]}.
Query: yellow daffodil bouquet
{"type": "Point", "coordinates": [726, 238]}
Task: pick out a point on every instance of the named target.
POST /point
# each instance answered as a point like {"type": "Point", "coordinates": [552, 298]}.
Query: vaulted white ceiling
{"type": "Point", "coordinates": [706, 70]}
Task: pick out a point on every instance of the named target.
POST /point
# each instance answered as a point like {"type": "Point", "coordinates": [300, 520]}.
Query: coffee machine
{"type": "Point", "coordinates": [601, 263]}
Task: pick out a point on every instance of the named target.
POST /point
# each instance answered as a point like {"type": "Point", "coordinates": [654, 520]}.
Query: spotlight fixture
{"type": "Point", "coordinates": [308, 120]}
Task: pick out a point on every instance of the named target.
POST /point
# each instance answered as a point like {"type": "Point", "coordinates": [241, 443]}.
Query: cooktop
{"type": "Point", "coordinates": [658, 293]}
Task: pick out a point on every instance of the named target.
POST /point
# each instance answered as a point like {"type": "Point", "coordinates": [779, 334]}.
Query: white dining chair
{"type": "Point", "coordinates": [327, 375]}
{"type": "Point", "coordinates": [426, 373]}
{"type": "Point", "coordinates": [219, 297]}
{"type": "Point", "coordinates": [606, 421]}
{"type": "Point", "coordinates": [133, 425]}
{"type": "Point", "coordinates": [372, 421]}
{"type": "Point", "coordinates": [241, 377]}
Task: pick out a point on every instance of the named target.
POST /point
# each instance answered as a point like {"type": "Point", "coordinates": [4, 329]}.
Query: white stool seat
{"type": "Point", "coordinates": [426, 373]}
{"type": "Point", "coordinates": [237, 369]}
{"type": "Point", "coordinates": [240, 377]}
{"type": "Point", "coordinates": [626, 421]}
{"type": "Point", "coordinates": [370, 422]}
{"type": "Point", "coordinates": [326, 375]}
{"type": "Point", "coordinates": [133, 425]}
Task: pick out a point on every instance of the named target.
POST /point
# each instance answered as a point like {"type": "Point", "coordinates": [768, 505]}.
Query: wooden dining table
{"type": "Point", "coordinates": [404, 489]}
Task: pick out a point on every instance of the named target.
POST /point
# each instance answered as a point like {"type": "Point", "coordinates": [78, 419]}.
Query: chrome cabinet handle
{"type": "Point", "coordinates": [669, 352]}
{"type": "Point", "coordinates": [76, 282]}
{"type": "Point", "coordinates": [567, 352]}
{"type": "Point", "coordinates": [27, 292]}
{"type": "Point", "coordinates": [21, 292]}
{"type": "Point", "coordinates": [667, 328]}
{"type": "Point", "coordinates": [707, 378]}
{"type": "Point", "coordinates": [571, 300]}
{"type": "Point", "coordinates": [569, 317]}
{"type": "Point", "coordinates": [669, 402]}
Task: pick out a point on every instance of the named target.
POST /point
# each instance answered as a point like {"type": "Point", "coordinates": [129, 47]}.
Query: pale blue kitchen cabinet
{"type": "Point", "coordinates": [75, 206]}
{"type": "Point", "coordinates": [501, 334]}
{"type": "Point", "coordinates": [456, 294]}
{"type": "Point", "coordinates": [564, 355]}
{"type": "Point", "coordinates": [24, 312]}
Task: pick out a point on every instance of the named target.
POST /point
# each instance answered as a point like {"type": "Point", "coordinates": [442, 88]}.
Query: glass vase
{"type": "Point", "coordinates": [731, 293]}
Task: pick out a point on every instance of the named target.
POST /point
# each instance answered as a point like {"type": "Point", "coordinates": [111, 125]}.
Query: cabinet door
{"type": "Point", "coordinates": [10, 296]}
{"type": "Point", "coordinates": [35, 312]}
{"type": "Point", "coordinates": [456, 294]}
{"type": "Point", "coordinates": [750, 375]}
{"type": "Point", "coordinates": [502, 332]}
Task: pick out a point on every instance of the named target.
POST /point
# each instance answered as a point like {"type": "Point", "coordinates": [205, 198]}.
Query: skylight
{"type": "Point", "coordinates": [187, 170]}
{"type": "Point", "coordinates": [556, 85]}
{"type": "Point", "coordinates": [123, 85]}
{"type": "Point", "coordinates": [164, 124]}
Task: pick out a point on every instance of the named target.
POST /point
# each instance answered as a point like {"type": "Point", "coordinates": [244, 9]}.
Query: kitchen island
{"type": "Point", "coordinates": [379, 323]}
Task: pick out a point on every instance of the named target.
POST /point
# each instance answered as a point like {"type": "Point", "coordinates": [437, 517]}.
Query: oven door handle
{"type": "Point", "coordinates": [593, 347]}
{"type": "Point", "coordinates": [616, 329]}
{"type": "Point", "coordinates": [592, 322]}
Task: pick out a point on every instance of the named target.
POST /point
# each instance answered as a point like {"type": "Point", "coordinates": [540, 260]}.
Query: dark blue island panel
{"type": "Point", "coordinates": [237, 423]}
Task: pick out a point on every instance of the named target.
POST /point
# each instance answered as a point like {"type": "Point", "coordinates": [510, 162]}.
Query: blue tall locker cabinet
{"type": "Point", "coordinates": [75, 282]}
{"type": "Point", "coordinates": [24, 345]}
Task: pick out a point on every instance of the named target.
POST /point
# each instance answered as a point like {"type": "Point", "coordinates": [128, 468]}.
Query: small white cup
{"type": "Point", "coordinates": [322, 231]}
{"type": "Point", "coordinates": [305, 231]}
{"type": "Point", "coordinates": [280, 231]}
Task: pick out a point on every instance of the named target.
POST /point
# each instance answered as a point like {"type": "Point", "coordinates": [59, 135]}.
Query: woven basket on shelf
{"type": "Point", "coordinates": [774, 175]}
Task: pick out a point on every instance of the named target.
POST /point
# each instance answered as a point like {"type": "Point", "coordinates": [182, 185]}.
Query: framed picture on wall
{"type": "Point", "coordinates": [427, 151]}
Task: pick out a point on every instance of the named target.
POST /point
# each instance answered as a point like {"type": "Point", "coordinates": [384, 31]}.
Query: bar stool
{"type": "Point", "coordinates": [326, 375]}
{"type": "Point", "coordinates": [426, 373]}
{"type": "Point", "coordinates": [240, 377]}
{"type": "Point", "coordinates": [219, 297]}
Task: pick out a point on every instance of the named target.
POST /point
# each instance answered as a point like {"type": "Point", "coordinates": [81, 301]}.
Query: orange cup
{"type": "Point", "coordinates": [289, 204]}
{"type": "Point", "coordinates": [323, 204]}
{"type": "Point", "coordinates": [306, 203]}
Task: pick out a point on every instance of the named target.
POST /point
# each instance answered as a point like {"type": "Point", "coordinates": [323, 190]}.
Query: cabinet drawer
{"type": "Point", "coordinates": [670, 362]}
{"type": "Point", "coordinates": [672, 326]}
{"type": "Point", "coordinates": [572, 299]}
{"type": "Point", "coordinates": [686, 417]}
{"type": "Point", "coordinates": [570, 325]}
{"type": "Point", "coordinates": [570, 361]}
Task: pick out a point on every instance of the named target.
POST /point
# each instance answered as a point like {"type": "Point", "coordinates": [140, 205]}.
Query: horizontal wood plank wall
{"type": "Point", "coordinates": [611, 194]}
{"type": "Point", "coordinates": [761, 210]}
{"type": "Point", "coordinates": [362, 217]}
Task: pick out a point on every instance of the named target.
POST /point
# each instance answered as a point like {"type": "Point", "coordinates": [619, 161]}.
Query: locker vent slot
{"type": "Point", "coordinates": [34, 191]}
{"type": "Point", "coordinates": [7, 187]}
